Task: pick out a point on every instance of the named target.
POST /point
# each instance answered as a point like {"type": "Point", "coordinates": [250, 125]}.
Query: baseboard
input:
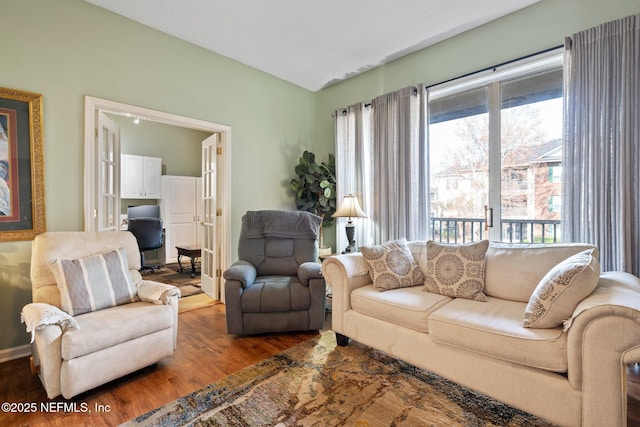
{"type": "Point", "coordinates": [15, 353]}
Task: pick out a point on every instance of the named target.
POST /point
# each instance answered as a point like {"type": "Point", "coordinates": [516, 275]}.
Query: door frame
{"type": "Point", "coordinates": [223, 176]}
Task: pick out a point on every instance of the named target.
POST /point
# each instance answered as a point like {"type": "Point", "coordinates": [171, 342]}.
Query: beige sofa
{"type": "Point", "coordinates": [572, 375]}
{"type": "Point", "coordinates": [73, 354]}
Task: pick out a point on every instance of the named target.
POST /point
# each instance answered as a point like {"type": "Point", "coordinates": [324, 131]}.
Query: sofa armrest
{"type": "Point", "coordinates": [604, 336]}
{"type": "Point", "coordinates": [161, 293]}
{"type": "Point", "coordinates": [157, 293]}
{"type": "Point", "coordinates": [46, 350]}
{"type": "Point", "coordinates": [37, 315]}
{"type": "Point", "coordinates": [308, 271]}
{"type": "Point", "coordinates": [47, 324]}
{"type": "Point", "coordinates": [344, 273]}
{"type": "Point", "coordinates": [239, 276]}
{"type": "Point", "coordinates": [615, 289]}
{"type": "Point", "coordinates": [241, 271]}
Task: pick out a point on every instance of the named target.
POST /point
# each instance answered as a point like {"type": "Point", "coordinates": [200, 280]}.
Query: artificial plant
{"type": "Point", "coordinates": [315, 187]}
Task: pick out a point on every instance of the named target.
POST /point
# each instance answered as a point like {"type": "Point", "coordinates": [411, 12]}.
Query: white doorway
{"type": "Point", "coordinates": [222, 202]}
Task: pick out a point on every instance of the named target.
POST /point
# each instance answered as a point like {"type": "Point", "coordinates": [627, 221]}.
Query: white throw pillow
{"type": "Point", "coordinates": [561, 290]}
{"type": "Point", "coordinates": [456, 270]}
{"type": "Point", "coordinates": [94, 282]}
{"type": "Point", "coordinates": [392, 266]}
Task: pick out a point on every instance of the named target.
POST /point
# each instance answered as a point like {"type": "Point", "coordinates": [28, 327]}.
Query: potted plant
{"type": "Point", "coordinates": [315, 190]}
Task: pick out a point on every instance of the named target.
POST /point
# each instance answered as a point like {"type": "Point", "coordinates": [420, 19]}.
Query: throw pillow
{"type": "Point", "coordinates": [94, 282]}
{"type": "Point", "coordinates": [392, 266]}
{"type": "Point", "coordinates": [456, 270]}
{"type": "Point", "coordinates": [561, 290]}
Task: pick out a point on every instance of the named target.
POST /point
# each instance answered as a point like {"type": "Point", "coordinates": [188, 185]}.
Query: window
{"type": "Point", "coordinates": [555, 174]}
{"type": "Point", "coordinates": [495, 152]}
{"type": "Point", "coordinates": [555, 204]}
{"type": "Point", "coordinates": [492, 138]}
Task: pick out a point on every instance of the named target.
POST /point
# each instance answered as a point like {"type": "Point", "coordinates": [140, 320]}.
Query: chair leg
{"type": "Point", "coordinates": [342, 340]}
{"type": "Point", "coordinates": [144, 267]}
{"type": "Point", "coordinates": [35, 369]}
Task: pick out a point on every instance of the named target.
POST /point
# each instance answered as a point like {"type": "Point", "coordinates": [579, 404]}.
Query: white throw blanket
{"type": "Point", "coordinates": [38, 314]}
{"type": "Point", "coordinates": [155, 292]}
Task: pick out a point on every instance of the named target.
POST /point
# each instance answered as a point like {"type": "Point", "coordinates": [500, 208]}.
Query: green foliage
{"type": "Point", "coordinates": [315, 187]}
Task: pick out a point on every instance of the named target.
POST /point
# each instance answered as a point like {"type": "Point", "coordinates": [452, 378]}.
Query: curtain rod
{"type": "Point", "coordinates": [343, 111]}
{"type": "Point", "coordinates": [493, 67]}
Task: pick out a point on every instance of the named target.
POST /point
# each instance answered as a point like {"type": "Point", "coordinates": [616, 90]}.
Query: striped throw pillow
{"type": "Point", "coordinates": [94, 282]}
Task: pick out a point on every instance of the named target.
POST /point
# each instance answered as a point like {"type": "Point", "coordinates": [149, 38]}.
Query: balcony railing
{"type": "Point", "coordinates": [465, 230]}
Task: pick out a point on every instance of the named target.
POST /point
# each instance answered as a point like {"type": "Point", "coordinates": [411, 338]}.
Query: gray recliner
{"type": "Point", "coordinates": [277, 284]}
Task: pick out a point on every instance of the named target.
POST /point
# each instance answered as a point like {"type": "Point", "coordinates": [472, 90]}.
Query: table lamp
{"type": "Point", "coordinates": [350, 208]}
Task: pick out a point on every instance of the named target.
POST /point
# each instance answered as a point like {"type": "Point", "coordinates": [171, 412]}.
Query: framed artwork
{"type": "Point", "coordinates": [22, 214]}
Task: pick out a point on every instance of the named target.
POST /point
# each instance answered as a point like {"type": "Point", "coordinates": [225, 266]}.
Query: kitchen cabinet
{"type": "Point", "coordinates": [140, 177]}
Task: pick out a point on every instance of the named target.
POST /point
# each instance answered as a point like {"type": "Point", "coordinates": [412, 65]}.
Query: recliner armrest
{"type": "Point", "coordinates": [37, 315]}
{"type": "Point", "coordinates": [308, 271]}
{"type": "Point", "coordinates": [157, 293]}
{"type": "Point", "coordinates": [241, 271]}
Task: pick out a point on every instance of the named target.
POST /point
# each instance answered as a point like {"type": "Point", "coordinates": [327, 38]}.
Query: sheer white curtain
{"type": "Point", "coordinates": [400, 208]}
{"type": "Point", "coordinates": [381, 157]}
{"type": "Point", "coordinates": [353, 167]}
{"type": "Point", "coordinates": [601, 202]}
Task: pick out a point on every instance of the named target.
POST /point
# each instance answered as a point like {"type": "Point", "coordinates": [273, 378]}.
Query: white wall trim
{"type": "Point", "coordinates": [8, 354]}
{"type": "Point", "coordinates": [92, 105]}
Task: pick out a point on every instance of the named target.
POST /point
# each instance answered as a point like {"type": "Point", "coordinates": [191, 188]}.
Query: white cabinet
{"type": "Point", "coordinates": [140, 177]}
{"type": "Point", "coordinates": [180, 208]}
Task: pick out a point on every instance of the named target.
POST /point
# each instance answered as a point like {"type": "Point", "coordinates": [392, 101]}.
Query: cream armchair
{"type": "Point", "coordinates": [72, 354]}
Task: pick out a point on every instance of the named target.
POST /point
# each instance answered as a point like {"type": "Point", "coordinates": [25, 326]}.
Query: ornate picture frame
{"type": "Point", "coordinates": [22, 202]}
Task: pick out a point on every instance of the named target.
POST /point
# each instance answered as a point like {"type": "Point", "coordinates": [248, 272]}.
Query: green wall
{"type": "Point", "coordinates": [65, 49]}
{"type": "Point", "coordinates": [180, 148]}
{"type": "Point", "coordinates": [536, 28]}
{"type": "Point", "coordinates": [539, 27]}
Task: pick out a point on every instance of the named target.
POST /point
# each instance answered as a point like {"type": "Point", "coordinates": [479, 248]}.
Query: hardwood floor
{"type": "Point", "coordinates": [205, 354]}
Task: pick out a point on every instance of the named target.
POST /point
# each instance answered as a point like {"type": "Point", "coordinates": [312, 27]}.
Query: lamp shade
{"type": "Point", "coordinates": [350, 208]}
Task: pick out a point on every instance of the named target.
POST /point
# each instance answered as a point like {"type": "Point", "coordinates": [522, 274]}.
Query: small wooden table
{"type": "Point", "coordinates": [192, 252]}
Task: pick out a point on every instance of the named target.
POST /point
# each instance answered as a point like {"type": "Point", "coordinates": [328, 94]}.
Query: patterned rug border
{"type": "Point", "coordinates": [225, 402]}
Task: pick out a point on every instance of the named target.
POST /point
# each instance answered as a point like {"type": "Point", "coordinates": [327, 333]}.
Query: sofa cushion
{"type": "Point", "coordinates": [531, 261]}
{"type": "Point", "coordinates": [94, 282]}
{"type": "Point", "coordinates": [392, 266]}
{"type": "Point", "coordinates": [561, 290]}
{"type": "Point", "coordinates": [407, 307]}
{"type": "Point", "coordinates": [105, 328]}
{"type": "Point", "coordinates": [456, 270]}
{"type": "Point", "coordinates": [495, 329]}
{"type": "Point", "coordinates": [418, 249]}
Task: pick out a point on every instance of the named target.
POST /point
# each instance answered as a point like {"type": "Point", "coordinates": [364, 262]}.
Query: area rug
{"type": "Point", "coordinates": [170, 274]}
{"type": "Point", "coordinates": [317, 383]}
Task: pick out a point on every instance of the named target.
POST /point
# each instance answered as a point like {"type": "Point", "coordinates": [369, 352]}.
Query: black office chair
{"type": "Point", "coordinates": [149, 234]}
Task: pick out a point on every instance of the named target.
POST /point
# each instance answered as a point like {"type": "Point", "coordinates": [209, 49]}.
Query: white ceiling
{"type": "Point", "coordinates": [313, 43]}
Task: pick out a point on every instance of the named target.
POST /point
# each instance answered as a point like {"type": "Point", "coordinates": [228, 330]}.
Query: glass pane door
{"type": "Point", "coordinates": [107, 217]}
{"type": "Point", "coordinates": [210, 260]}
{"type": "Point", "coordinates": [531, 158]}
{"type": "Point", "coordinates": [459, 166]}
{"type": "Point", "coordinates": [495, 161]}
